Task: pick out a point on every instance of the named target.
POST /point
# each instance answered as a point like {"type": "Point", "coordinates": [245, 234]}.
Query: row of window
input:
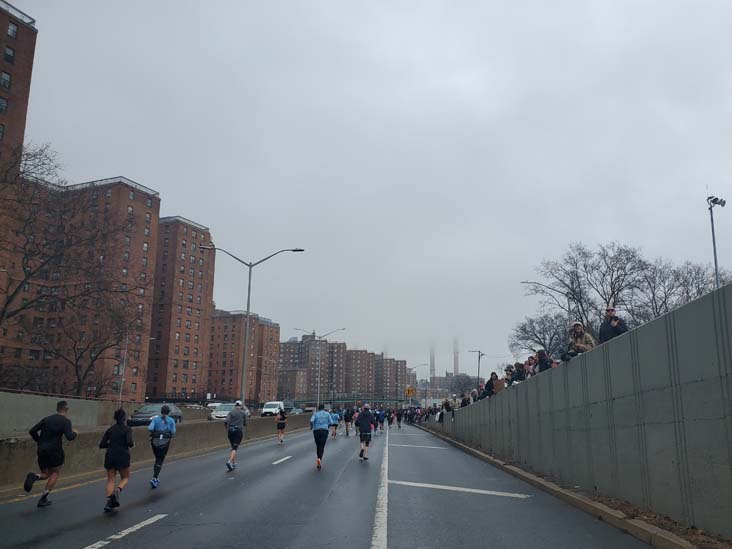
{"type": "Point", "coordinates": [186, 337]}
{"type": "Point", "coordinates": [183, 244]}
{"type": "Point", "coordinates": [194, 234]}
{"type": "Point", "coordinates": [183, 378]}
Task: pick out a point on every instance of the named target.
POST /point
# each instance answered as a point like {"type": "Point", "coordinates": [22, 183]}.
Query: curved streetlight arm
{"type": "Point", "coordinates": [274, 254]}
{"type": "Point", "coordinates": [232, 256]}
{"type": "Point", "coordinates": [248, 264]}
{"type": "Point", "coordinates": [331, 332]}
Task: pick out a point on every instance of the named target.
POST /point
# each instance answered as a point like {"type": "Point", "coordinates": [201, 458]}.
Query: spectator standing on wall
{"type": "Point", "coordinates": [612, 325]}
{"type": "Point", "coordinates": [464, 401]}
{"type": "Point", "coordinates": [519, 373]}
{"type": "Point", "coordinates": [579, 341]}
{"type": "Point", "coordinates": [544, 362]}
{"type": "Point", "coordinates": [490, 389]}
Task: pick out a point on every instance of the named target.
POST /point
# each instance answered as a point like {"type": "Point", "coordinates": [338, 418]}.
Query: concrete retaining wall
{"type": "Point", "coordinates": [18, 456]}
{"type": "Point", "coordinates": [19, 411]}
{"type": "Point", "coordinates": [646, 417]}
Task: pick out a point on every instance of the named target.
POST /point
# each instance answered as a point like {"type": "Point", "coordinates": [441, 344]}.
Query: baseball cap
{"type": "Point", "coordinates": [366, 406]}
{"type": "Point", "coordinates": [237, 403]}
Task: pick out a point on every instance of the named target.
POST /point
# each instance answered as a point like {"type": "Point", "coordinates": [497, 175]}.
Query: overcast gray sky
{"type": "Point", "coordinates": [426, 154]}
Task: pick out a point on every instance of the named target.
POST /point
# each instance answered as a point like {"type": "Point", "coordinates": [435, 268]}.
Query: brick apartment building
{"type": "Point", "coordinates": [86, 326]}
{"type": "Point", "coordinates": [226, 353]}
{"type": "Point", "coordinates": [181, 316]}
{"type": "Point", "coordinates": [360, 379]}
{"type": "Point", "coordinates": [411, 379]}
{"type": "Point", "coordinates": [292, 375]}
{"type": "Point", "coordinates": [18, 39]}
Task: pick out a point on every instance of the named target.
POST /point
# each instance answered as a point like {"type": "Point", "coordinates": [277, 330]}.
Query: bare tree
{"type": "Point", "coordinates": [55, 239]}
{"type": "Point", "coordinates": [83, 340]}
{"type": "Point", "coordinates": [548, 331]}
{"type": "Point", "coordinates": [583, 282]}
{"type": "Point", "coordinates": [461, 383]}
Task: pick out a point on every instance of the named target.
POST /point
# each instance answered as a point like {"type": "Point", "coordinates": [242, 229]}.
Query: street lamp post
{"type": "Point", "coordinates": [250, 265]}
{"type": "Point", "coordinates": [715, 201]}
{"type": "Point", "coordinates": [123, 364]}
{"type": "Point", "coordinates": [481, 354]}
{"type": "Point", "coordinates": [321, 338]}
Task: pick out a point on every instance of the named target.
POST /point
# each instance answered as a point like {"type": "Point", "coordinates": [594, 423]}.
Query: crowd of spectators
{"type": "Point", "coordinates": [580, 341]}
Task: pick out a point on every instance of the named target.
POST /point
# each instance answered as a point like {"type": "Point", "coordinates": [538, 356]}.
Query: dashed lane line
{"type": "Point", "coordinates": [460, 489]}
{"type": "Point", "coordinates": [281, 460]}
{"type": "Point", "coordinates": [126, 532]}
{"type": "Point", "coordinates": [417, 446]}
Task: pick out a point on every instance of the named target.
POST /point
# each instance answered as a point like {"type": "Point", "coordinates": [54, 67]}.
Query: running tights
{"type": "Point", "coordinates": [160, 454]}
{"type": "Point", "coordinates": [321, 437]}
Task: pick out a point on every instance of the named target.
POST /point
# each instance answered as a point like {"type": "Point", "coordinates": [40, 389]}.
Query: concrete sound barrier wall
{"type": "Point", "coordinates": [646, 417]}
{"type": "Point", "coordinates": [18, 455]}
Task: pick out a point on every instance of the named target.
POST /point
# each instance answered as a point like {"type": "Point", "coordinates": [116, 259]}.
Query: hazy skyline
{"type": "Point", "coordinates": [426, 155]}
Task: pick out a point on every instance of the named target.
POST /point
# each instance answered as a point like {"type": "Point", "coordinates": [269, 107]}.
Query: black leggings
{"type": "Point", "coordinates": [321, 437]}
{"type": "Point", "coordinates": [160, 453]}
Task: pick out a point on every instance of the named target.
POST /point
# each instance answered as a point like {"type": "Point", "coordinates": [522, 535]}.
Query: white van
{"type": "Point", "coordinates": [272, 408]}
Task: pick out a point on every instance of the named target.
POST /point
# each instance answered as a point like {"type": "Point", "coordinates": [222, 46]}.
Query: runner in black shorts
{"type": "Point", "coordinates": [281, 419]}
{"type": "Point", "coordinates": [235, 423]}
{"type": "Point", "coordinates": [118, 441]}
{"type": "Point", "coordinates": [48, 435]}
{"type": "Point", "coordinates": [348, 420]}
{"type": "Point", "coordinates": [364, 422]}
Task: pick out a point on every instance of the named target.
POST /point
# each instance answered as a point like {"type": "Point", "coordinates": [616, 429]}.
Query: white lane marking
{"type": "Point", "coordinates": [416, 446]}
{"type": "Point", "coordinates": [379, 536]}
{"type": "Point", "coordinates": [137, 527]}
{"type": "Point", "coordinates": [461, 489]}
{"type": "Point", "coordinates": [123, 533]}
{"type": "Point", "coordinates": [281, 460]}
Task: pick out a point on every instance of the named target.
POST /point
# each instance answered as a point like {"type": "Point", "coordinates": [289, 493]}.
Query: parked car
{"type": "Point", "coordinates": [272, 408]}
{"type": "Point", "coordinates": [223, 410]}
{"type": "Point", "coordinates": [143, 415]}
{"type": "Point", "coordinates": [296, 411]}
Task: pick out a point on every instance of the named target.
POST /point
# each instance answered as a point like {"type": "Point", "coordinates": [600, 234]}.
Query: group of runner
{"type": "Point", "coordinates": [117, 441]}
{"type": "Point", "coordinates": [365, 421]}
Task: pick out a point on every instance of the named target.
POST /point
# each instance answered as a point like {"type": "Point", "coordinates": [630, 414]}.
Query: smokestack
{"type": "Point", "coordinates": [432, 364]}
{"type": "Point", "coordinates": [455, 357]}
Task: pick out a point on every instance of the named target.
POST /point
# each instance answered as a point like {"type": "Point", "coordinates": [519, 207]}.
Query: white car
{"type": "Point", "coordinates": [272, 408]}
{"type": "Point", "coordinates": [222, 411]}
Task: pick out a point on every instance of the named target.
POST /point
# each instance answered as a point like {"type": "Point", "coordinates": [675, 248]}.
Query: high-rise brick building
{"type": "Point", "coordinates": [360, 378]}
{"type": "Point", "coordinates": [385, 372]}
{"type": "Point", "coordinates": [411, 378]}
{"type": "Point", "coordinates": [336, 370]}
{"type": "Point", "coordinates": [85, 330]}
{"type": "Point", "coordinates": [181, 323]}
{"type": "Point", "coordinates": [292, 375]}
{"type": "Point", "coordinates": [18, 32]}
{"type": "Point", "coordinates": [401, 379]}
{"type": "Point", "coordinates": [227, 336]}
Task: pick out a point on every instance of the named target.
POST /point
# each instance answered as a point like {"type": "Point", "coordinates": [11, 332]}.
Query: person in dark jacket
{"type": "Point", "coordinates": [519, 373]}
{"type": "Point", "coordinates": [117, 440]}
{"type": "Point", "coordinates": [490, 388]}
{"type": "Point", "coordinates": [366, 420]}
{"type": "Point", "coordinates": [465, 401]}
{"type": "Point", "coordinates": [544, 362]}
{"type": "Point", "coordinates": [612, 326]}
{"type": "Point", "coordinates": [48, 434]}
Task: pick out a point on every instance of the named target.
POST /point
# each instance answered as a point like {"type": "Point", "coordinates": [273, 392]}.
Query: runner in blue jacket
{"type": "Point", "coordinates": [320, 423]}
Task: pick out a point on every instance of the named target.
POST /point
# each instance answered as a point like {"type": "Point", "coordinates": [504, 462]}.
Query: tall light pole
{"type": "Point", "coordinates": [481, 354]}
{"type": "Point", "coordinates": [715, 201]}
{"type": "Point", "coordinates": [321, 338]}
{"type": "Point", "coordinates": [123, 363]}
{"type": "Point", "coordinates": [250, 265]}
